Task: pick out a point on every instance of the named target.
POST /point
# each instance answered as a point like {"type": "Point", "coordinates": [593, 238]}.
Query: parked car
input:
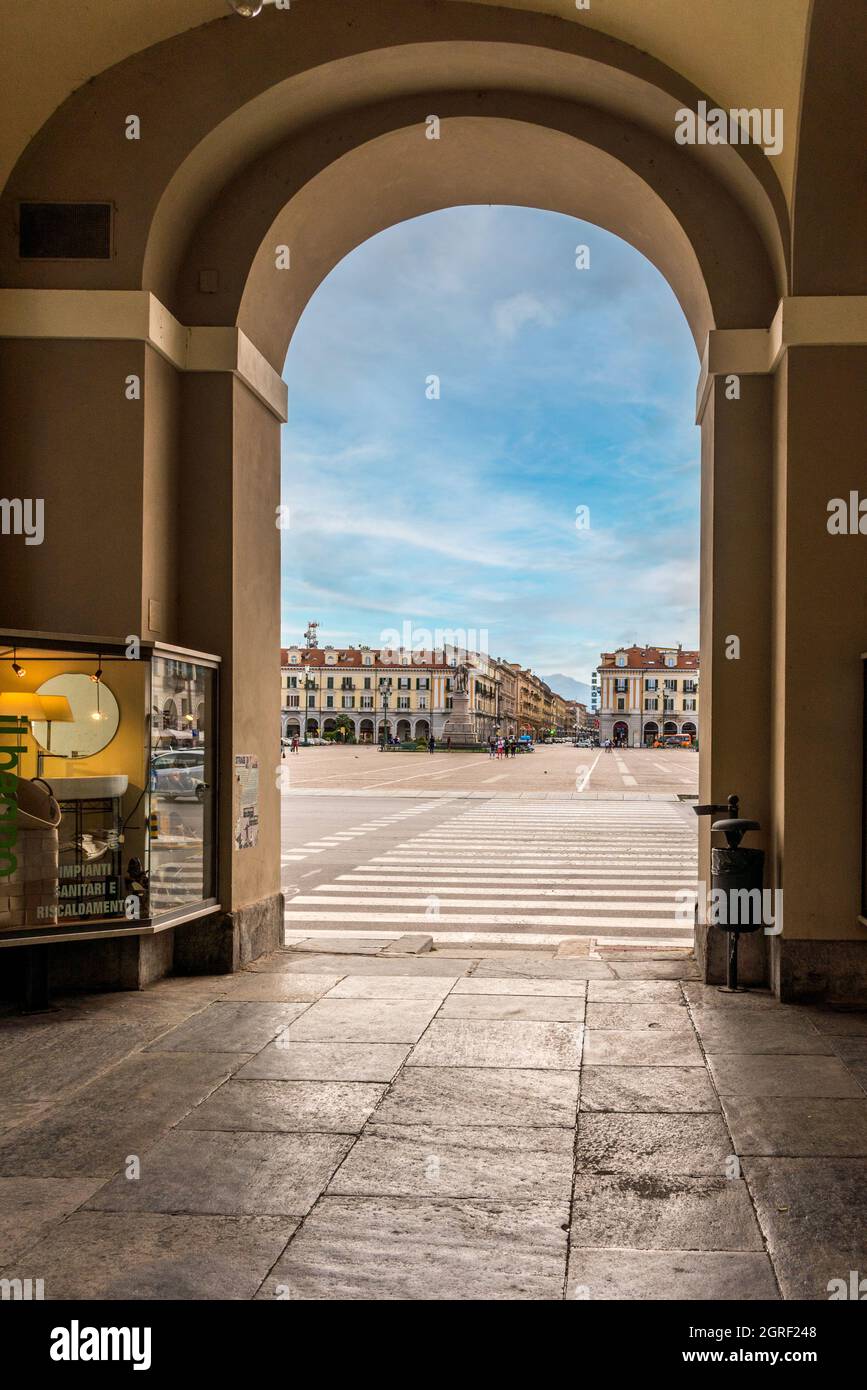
{"type": "Point", "coordinates": [677, 741]}
{"type": "Point", "coordinates": [179, 773]}
{"type": "Point", "coordinates": [583, 743]}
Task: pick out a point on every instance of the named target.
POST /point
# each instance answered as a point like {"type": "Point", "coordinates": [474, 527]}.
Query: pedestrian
{"type": "Point", "coordinates": [294, 743]}
{"type": "Point", "coordinates": [500, 748]}
{"type": "Point", "coordinates": [513, 747]}
{"type": "Point", "coordinates": [431, 744]}
{"type": "Point", "coordinates": [449, 744]}
{"type": "Point", "coordinates": [492, 746]}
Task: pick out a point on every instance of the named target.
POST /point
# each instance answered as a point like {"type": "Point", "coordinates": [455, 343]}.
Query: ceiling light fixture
{"type": "Point", "coordinates": [248, 8]}
{"type": "Point", "coordinates": [19, 670]}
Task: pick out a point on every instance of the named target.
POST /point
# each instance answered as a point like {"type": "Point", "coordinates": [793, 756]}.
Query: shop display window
{"type": "Point", "coordinates": [108, 787]}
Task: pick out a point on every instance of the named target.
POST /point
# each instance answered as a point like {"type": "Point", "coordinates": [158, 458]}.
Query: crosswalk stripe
{"type": "Point", "coordinates": [615, 871]}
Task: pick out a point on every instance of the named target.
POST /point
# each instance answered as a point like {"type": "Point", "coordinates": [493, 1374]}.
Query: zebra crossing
{"type": "Point", "coordinates": [533, 871]}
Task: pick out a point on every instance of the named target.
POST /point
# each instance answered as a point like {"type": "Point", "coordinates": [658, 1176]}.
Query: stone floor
{"type": "Point", "coordinates": [357, 1123]}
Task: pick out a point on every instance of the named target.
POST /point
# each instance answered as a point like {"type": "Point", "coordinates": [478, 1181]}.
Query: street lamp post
{"type": "Point", "coordinates": [383, 690]}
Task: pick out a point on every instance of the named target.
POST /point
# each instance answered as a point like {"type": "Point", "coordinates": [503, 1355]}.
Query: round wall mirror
{"type": "Point", "coordinates": [95, 717]}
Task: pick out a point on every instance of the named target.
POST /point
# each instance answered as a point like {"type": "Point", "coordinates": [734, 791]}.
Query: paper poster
{"type": "Point", "coordinates": [246, 801]}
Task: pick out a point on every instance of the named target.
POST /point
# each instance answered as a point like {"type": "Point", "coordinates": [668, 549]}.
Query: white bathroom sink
{"type": "Point", "coordinates": [84, 788]}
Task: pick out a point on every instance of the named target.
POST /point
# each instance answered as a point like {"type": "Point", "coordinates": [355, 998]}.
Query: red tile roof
{"type": "Point", "coordinates": [643, 658]}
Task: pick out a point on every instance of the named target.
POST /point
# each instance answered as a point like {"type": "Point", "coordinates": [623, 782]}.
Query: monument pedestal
{"type": "Point", "coordinates": [459, 728]}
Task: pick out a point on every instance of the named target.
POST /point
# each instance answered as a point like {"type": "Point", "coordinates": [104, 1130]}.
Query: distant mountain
{"type": "Point", "coordinates": [567, 687]}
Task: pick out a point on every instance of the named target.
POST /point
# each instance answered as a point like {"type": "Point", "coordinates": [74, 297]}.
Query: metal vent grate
{"type": "Point", "coordinates": [64, 231]}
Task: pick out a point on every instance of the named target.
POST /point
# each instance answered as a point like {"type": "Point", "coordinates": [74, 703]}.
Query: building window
{"type": "Point", "coordinates": [367, 702]}
{"type": "Point", "coordinates": [422, 683]}
{"type": "Point", "coordinates": [651, 704]}
{"type": "Point", "coordinates": [667, 704]}
{"type": "Point", "coordinates": [671, 685]}
{"type": "Point", "coordinates": [329, 684]}
{"type": "Point", "coordinates": [311, 701]}
{"type": "Point", "coordinates": [689, 687]}
{"type": "Point", "coordinates": [671, 661]}
{"type": "Point", "coordinates": [689, 704]}
{"type": "Point", "coordinates": [621, 661]}
{"type": "Point", "coordinates": [652, 684]}
{"type": "Point", "coordinates": [293, 701]}
{"type": "Point", "coordinates": [422, 702]}
{"type": "Point", "coordinates": [349, 702]}
{"type": "Point", "coordinates": [403, 702]}
{"type": "Point", "coordinates": [367, 682]}
{"type": "Point", "coordinates": [620, 686]}
{"type": "Point", "coordinates": [621, 704]}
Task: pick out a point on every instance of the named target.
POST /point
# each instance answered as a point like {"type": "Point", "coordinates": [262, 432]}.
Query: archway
{"type": "Point", "coordinates": [620, 733]}
{"type": "Point", "coordinates": [669, 727]}
{"type": "Point", "coordinates": [366, 730]}
{"type": "Point", "coordinates": [422, 728]}
{"type": "Point", "coordinates": [651, 733]}
{"type": "Point", "coordinates": [286, 155]}
{"type": "Point", "coordinates": [403, 730]}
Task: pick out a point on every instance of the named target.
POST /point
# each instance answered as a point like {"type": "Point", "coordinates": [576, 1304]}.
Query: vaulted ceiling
{"type": "Point", "coordinates": [742, 52]}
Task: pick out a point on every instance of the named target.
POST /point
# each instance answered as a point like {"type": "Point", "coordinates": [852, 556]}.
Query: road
{"type": "Point", "coordinates": [450, 854]}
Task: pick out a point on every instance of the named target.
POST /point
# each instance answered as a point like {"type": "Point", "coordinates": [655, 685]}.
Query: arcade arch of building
{"type": "Point", "coordinates": [262, 161]}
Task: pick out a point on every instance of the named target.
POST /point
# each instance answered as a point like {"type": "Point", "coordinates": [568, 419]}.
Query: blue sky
{"type": "Point", "coordinates": [559, 388]}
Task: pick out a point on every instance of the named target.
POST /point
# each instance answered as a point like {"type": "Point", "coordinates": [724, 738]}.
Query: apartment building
{"type": "Point", "coordinates": [648, 693]}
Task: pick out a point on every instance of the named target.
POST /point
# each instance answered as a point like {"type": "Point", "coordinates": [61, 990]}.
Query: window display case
{"type": "Point", "coordinates": [108, 787]}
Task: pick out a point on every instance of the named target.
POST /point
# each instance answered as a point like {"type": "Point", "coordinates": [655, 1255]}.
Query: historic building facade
{"type": "Point", "coordinates": [648, 693]}
{"type": "Point", "coordinates": [324, 689]}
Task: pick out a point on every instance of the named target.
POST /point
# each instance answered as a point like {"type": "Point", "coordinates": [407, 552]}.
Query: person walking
{"type": "Point", "coordinates": [294, 743]}
{"type": "Point", "coordinates": [431, 744]}
{"type": "Point", "coordinates": [492, 746]}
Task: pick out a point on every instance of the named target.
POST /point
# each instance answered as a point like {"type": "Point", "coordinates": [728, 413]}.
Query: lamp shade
{"type": "Point", "coordinates": [56, 708]}
{"type": "Point", "coordinates": [21, 704]}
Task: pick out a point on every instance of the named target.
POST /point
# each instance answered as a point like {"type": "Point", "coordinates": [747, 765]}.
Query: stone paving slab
{"type": "Point", "coordinates": [230, 1028]}
{"type": "Point", "coordinates": [31, 1206]}
{"type": "Point", "coordinates": [112, 1255]}
{"type": "Point", "coordinates": [272, 988]}
{"type": "Point", "coordinates": [797, 1127]}
{"type": "Point", "coordinates": [229, 1174]}
{"type": "Point", "coordinates": [481, 1096]}
{"type": "Point", "coordinates": [541, 968]}
{"type": "Point", "coordinates": [467, 1161]}
{"type": "Point", "coordinates": [329, 1061]}
{"type": "Point", "coordinates": [363, 1021]}
{"type": "Point", "coordinates": [17, 1112]}
{"type": "Point", "coordinates": [768, 1075]}
{"type": "Point", "coordinates": [122, 1112]}
{"type": "Point", "coordinates": [811, 1212]}
{"type": "Point", "coordinates": [668, 1018]}
{"type": "Point", "coordinates": [702, 996]}
{"type": "Point", "coordinates": [648, 1090]}
{"type": "Point", "coordinates": [654, 970]}
{"type": "Point", "coordinates": [363, 965]}
{"type": "Point", "coordinates": [375, 1248]}
{"type": "Point", "coordinates": [662, 1145]}
{"type": "Point", "coordinates": [393, 987]}
{"type": "Point", "coordinates": [650, 1211]}
{"type": "Point", "coordinates": [521, 985]}
{"type": "Point", "coordinates": [543, 1008]}
{"type": "Point", "coordinates": [758, 1032]}
{"type": "Point", "coordinates": [44, 1063]}
{"type": "Point", "coordinates": [849, 1023]}
{"type": "Point", "coordinates": [634, 992]}
{"type": "Point", "coordinates": [654, 1275]}
{"type": "Point", "coordinates": [288, 1106]}
{"type": "Point", "coordinates": [493, 1043]}
{"type": "Point", "coordinates": [641, 1047]}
